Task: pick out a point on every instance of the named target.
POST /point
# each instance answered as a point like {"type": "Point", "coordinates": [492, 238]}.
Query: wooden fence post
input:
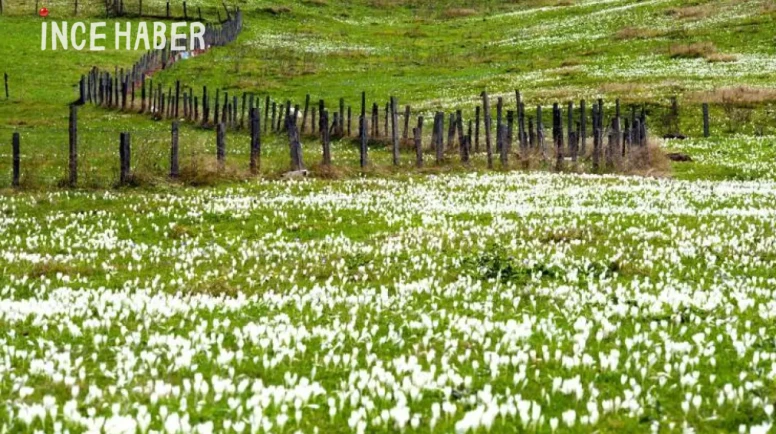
{"type": "Point", "coordinates": [304, 113]}
{"type": "Point", "coordinates": [406, 122]}
{"type": "Point", "coordinates": [174, 168]}
{"type": "Point", "coordinates": [326, 137]}
{"type": "Point", "coordinates": [255, 115]}
{"type": "Point", "coordinates": [451, 132]}
{"type": "Point", "coordinates": [341, 123]}
{"type": "Point", "coordinates": [418, 136]}
{"type": "Point", "coordinates": [242, 110]}
{"type": "Point", "coordinates": [582, 128]}
{"type": "Point", "coordinates": [596, 138]}
{"type": "Point", "coordinates": [124, 158]}
{"type": "Point", "coordinates": [477, 129]}
{"type": "Point", "coordinates": [221, 145]}
{"type": "Point", "coordinates": [363, 139]}
{"type": "Point", "coordinates": [439, 128]}
{"type": "Point", "coordinates": [488, 147]}
{"type": "Point", "coordinates": [395, 131]}
{"type": "Point", "coordinates": [557, 132]}
{"type": "Point", "coordinates": [5, 79]}
{"type": "Point", "coordinates": [73, 138]}
{"type": "Point", "coordinates": [570, 127]}
{"type": "Point", "coordinates": [504, 149]}
{"type": "Point", "coordinates": [16, 159]}
{"type": "Point", "coordinates": [297, 162]}
{"type": "Point", "coordinates": [705, 120]}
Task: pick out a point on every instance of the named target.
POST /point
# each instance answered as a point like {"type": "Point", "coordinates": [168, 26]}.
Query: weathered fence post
{"type": "Point", "coordinates": [582, 128]}
{"type": "Point", "coordinates": [326, 138]}
{"type": "Point", "coordinates": [418, 136]}
{"type": "Point", "coordinates": [304, 114]}
{"type": "Point", "coordinates": [5, 79]}
{"type": "Point", "coordinates": [274, 115]}
{"type": "Point", "coordinates": [255, 115]}
{"type": "Point", "coordinates": [363, 139]}
{"type": "Point", "coordinates": [297, 162]}
{"type": "Point", "coordinates": [406, 122]}
{"type": "Point", "coordinates": [125, 156]}
{"type": "Point", "coordinates": [349, 121]}
{"type": "Point", "coordinates": [570, 127]}
{"type": "Point", "coordinates": [341, 123]}
{"type": "Point", "coordinates": [705, 120]}
{"type": "Point", "coordinates": [242, 111]}
{"type": "Point", "coordinates": [174, 168]}
{"type": "Point", "coordinates": [16, 159]}
{"type": "Point", "coordinates": [221, 145]}
{"type": "Point", "coordinates": [488, 147]}
{"type": "Point", "coordinates": [439, 144]}
{"type": "Point", "coordinates": [557, 133]}
{"type": "Point", "coordinates": [477, 129]}
{"type": "Point", "coordinates": [596, 138]}
{"type": "Point", "coordinates": [73, 138]}
{"type": "Point", "coordinates": [394, 131]}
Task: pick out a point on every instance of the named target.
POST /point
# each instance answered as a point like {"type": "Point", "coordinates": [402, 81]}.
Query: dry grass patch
{"type": "Point", "coordinates": [741, 95]}
{"type": "Point", "coordinates": [692, 51]}
{"type": "Point", "coordinates": [721, 58]}
{"type": "Point", "coordinates": [692, 12]}
{"type": "Point", "coordinates": [637, 33]}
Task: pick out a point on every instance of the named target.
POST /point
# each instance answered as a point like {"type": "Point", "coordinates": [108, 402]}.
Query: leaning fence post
{"type": "Point", "coordinates": [221, 145]}
{"type": "Point", "coordinates": [15, 150]}
{"type": "Point", "coordinates": [174, 169]}
{"type": "Point", "coordinates": [255, 115]}
{"type": "Point", "coordinates": [73, 154]}
{"type": "Point", "coordinates": [705, 120]}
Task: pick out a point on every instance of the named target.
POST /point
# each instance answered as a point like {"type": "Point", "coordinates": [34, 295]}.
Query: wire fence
{"type": "Point", "coordinates": [172, 9]}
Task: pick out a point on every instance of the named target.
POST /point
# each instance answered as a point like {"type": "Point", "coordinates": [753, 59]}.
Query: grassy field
{"type": "Point", "coordinates": [436, 56]}
{"type": "Point", "coordinates": [505, 301]}
{"type": "Point", "coordinates": [442, 299]}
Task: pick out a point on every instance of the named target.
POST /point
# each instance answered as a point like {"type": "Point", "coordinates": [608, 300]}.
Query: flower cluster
{"type": "Point", "coordinates": [458, 303]}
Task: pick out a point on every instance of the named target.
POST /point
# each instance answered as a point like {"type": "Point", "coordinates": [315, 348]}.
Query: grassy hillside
{"type": "Point", "coordinates": [432, 55]}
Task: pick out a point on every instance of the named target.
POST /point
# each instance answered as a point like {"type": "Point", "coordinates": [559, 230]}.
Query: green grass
{"type": "Point", "coordinates": [428, 56]}
{"type": "Point", "coordinates": [449, 285]}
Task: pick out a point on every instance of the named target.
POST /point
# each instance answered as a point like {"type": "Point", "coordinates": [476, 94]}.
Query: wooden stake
{"type": "Point", "coordinates": [73, 151]}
